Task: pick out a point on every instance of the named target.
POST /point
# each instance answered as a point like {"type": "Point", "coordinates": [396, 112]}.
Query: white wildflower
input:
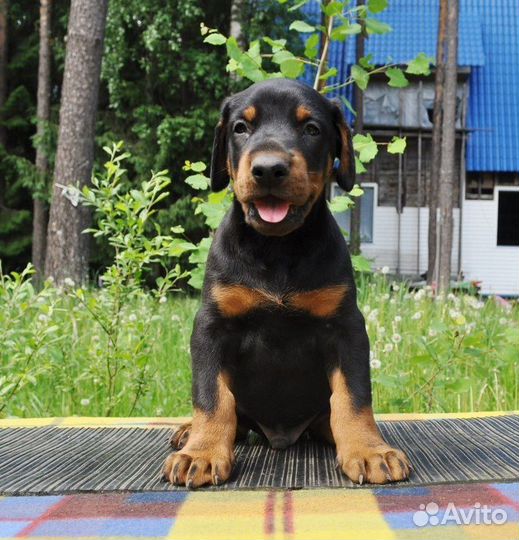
{"type": "Point", "coordinates": [503, 321]}
{"type": "Point", "coordinates": [432, 332]}
{"type": "Point", "coordinates": [132, 317]}
{"type": "Point", "coordinates": [417, 316]}
{"type": "Point", "coordinates": [419, 294]}
{"type": "Point", "coordinates": [68, 282]}
{"type": "Point", "coordinates": [395, 287]}
{"type": "Point", "coordinates": [85, 402]}
{"type": "Point", "coordinates": [388, 347]}
{"type": "Point", "coordinates": [175, 318]}
{"type": "Point", "coordinates": [381, 330]}
{"type": "Point", "coordinates": [385, 297]}
{"type": "Point", "coordinates": [163, 300]}
{"type": "Point", "coordinates": [397, 338]}
{"type": "Point", "coordinates": [385, 270]}
{"type": "Point", "coordinates": [373, 315]}
{"type": "Point", "coordinates": [42, 317]}
{"type": "Point", "coordinates": [397, 318]}
{"type": "Point", "coordinates": [375, 363]}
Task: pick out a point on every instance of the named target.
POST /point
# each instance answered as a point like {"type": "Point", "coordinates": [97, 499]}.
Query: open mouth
{"type": "Point", "coordinates": [271, 209]}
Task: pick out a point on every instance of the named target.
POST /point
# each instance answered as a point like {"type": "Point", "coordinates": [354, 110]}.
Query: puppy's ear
{"type": "Point", "coordinates": [345, 173]}
{"type": "Point", "coordinates": [219, 173]}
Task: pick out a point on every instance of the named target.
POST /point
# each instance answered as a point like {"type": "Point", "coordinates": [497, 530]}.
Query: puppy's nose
{"type": "Point", "coordinates": [269, 170]}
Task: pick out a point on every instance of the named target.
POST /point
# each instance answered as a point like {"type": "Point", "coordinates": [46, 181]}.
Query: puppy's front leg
{"type": "Point", "coordinates": [362, 453]}
{"type": "Point", "coordinates": [208, 455]}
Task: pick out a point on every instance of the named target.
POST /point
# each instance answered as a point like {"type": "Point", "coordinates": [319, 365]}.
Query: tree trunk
{"type": "Point", "coordinates": [235, 29]}
{"type": "Point", "coordinates": [448, 148]}
{"type": "Point", "coordinates": [4, 8]}
{"type": "Point", "coordinates": [436, 143]}
{"type": "Point", "coordinates": [67, 247]}
{"type": "Point", "coordinates": [359, 127]}
{"type": "Point", "coordinates": [39, 219]}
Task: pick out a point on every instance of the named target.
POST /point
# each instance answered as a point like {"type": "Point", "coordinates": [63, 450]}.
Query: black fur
{"type": "Point", "coordinates": [278, 360]}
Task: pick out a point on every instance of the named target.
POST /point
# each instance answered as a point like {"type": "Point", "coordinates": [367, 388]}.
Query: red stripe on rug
{"type": "Point", "coordinates": [269, 513]}
{"type": "Point", "coordinates": [41, 519]}
{"type": "Point", "coordinates": [288, 512]}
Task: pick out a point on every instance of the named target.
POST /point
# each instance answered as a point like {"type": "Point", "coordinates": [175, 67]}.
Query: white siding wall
{"type": "Point", "coordinates": [384, 248]}
{"type": "Point", "coordinates": [497, 267]}
{"type": "Point", "coordinates": [482, 259]}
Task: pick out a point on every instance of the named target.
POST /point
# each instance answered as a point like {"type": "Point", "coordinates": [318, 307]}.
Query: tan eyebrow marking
{"type": "Point", "coordinates": [303, 113]}
{"type": "Point", "coordinates": [249, 113]}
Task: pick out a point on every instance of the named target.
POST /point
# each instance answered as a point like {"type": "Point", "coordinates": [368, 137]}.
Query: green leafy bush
{"type": "Point", "coordinates": [45, 329]}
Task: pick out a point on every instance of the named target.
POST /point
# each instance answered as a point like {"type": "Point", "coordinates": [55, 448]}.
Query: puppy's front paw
{"type": "Point", "coordinates": [378, 464]}
{"type": "Point", "coordinates": [194, 468]}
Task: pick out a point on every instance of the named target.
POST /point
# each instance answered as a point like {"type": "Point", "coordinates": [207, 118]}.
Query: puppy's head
{"type": "Point", "coordinates": [278, 141]}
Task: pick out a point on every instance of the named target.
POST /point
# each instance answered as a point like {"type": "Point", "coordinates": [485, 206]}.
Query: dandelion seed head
{"type": "Point", "coordinates": [397, 338]}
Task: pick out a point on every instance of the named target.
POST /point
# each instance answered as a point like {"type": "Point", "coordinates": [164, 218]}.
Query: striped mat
{"type": "Point", "coordinates": [60, 456]}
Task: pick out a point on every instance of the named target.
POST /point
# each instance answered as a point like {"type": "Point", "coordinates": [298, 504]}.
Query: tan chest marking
{"type": "Point", "coordinates": [320, 302]}
{"type": "Point", "coordinates": [238, 300]}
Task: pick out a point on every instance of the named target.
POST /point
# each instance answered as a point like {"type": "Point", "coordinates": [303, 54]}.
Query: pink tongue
{"type": "Point", "coordinates": [272, 211]}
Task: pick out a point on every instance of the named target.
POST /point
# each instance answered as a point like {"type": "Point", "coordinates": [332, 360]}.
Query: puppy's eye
{"type": "Point", "coordinates": [240, 127]}
{"type": "Point", "coordinates": [312, 130]}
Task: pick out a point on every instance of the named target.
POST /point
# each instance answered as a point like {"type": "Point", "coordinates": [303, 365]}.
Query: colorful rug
{"type": "Point", "coordinates": [464, 511]}
{"type": "Point", "coordinates": [62, 456]}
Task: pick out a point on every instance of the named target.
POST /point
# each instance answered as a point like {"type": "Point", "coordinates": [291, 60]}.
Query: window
{"type": "Point", "coordinates": [508, 218]}
{"type": "Point", "coordinates": [406, 107]}
{"type": "Point", "coordinates": [367, 210]}
{"type": "Point", "coordinates": [480, 185]}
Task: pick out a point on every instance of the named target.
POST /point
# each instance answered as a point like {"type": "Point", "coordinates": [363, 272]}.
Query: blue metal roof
{"type": "Point", "coordinates": [488, 43]}
{"type": "Point", "coordinates": [494, 90]}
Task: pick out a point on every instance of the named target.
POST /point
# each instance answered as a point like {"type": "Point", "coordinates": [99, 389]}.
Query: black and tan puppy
{"type": "Point", "coordinates": [279, 345]}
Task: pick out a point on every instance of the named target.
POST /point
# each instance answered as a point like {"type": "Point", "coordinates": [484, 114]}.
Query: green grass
{"type": "Point", "coordinates": [428, 355]}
